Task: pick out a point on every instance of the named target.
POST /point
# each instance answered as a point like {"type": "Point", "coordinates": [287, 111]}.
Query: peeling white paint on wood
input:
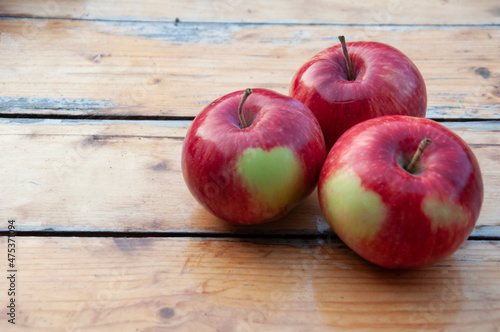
{"type": "Point", "coordinates": [13, 104]}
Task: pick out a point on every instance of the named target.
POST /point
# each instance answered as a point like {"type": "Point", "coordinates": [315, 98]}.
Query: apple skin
{"type": "Point", "coordinates": [385, 214]}
{"type": "Point", "coordinates": [256, 174]}
{"type": "Point", "coordinates": [386, 82]}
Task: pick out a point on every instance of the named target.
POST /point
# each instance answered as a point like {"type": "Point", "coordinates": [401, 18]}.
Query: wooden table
{"type": "Point", "coordinates": [96, 97]}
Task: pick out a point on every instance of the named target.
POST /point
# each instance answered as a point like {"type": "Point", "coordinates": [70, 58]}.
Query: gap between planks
{"type": "Point", "coordinates": [112, 117]}
{"type": "Point", "coordinates": [485, 233]}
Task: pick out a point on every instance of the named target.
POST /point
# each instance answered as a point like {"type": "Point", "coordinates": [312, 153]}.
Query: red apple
{"type": "Point", "coordinates": [395, 204]}
{"type": "Point", "coordinates": [383, 81]}
{"type": "Point", "coordinates": [250, 157]}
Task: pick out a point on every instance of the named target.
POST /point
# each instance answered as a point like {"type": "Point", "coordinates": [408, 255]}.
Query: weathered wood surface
{"type": "Point", "coordinates": [125, 176]}
{"type": "Point", "coordinates": [98, 68]}
{"type": "Point", "coordinates": [320, 11]}
{"type": "Point", "coordinates": [118, 179]}
{"type": "Point", "coordinates": [89, 284]}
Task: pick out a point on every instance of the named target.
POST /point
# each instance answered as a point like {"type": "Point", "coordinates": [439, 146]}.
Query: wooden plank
{"type": "Point", "coordinates": [79, 68]}
{"type": "Point", "coordinates": [88, 284]}
{"type": "Point", "coordinates": [125, 176]}
{"type": "Point", "coordinates": [324, 11]}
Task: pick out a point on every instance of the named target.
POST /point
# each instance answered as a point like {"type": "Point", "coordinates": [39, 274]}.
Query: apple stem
{"type": "Point", "coordinates": [350, 73]}
{"type": "Point", "coordinates": [247, 93]}
{"type": "Point", "coordinates": [411, 168]}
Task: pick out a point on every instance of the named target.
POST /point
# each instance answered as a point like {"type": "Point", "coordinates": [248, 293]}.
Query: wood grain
{"type": "Point", "coordinates": [75, 284]}
{"type": "Point", "coordinates": [69, 175]}
{"type": "Point", "coordinates": [120, 243]}
{"type": "Point", "coordinates": [97, 68]}
{"type": "Point", "coordinates": [373, 12]}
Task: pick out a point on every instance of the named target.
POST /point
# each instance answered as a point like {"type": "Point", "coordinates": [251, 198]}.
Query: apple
{"type": "Point", "coordinates": [401, 191]}
{"type": "Point", "coordinates": [251, 155]}
{"type": "Point", "coordinates": [350, 83]}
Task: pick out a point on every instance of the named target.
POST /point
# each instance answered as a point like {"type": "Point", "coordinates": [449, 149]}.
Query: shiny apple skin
{"type": "Point", "coordinates": [215, 143]}
{"type": "Point", "coordinates": [407, 220]}
{"type": "Point", "coordinates": [386, 82]}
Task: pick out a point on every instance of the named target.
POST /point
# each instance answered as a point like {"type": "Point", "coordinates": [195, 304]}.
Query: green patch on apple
{"type": "Point", "coordinates": [443, 213]}
{"type": "Point", "coordinates": [353, 211]}
{"type": "Point", "coordinates": [275, 176]}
